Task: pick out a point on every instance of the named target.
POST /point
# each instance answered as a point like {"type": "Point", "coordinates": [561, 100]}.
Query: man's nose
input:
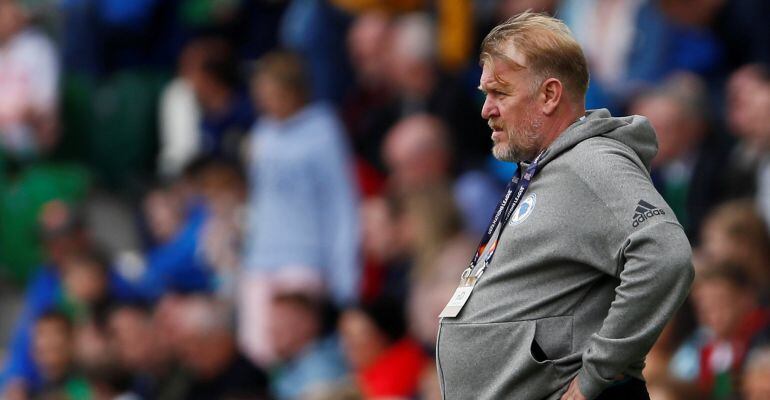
{"type": "Point", "coordinates": [489, 109]}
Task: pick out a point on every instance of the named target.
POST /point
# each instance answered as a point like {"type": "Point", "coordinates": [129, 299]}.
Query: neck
{"type": "Point", "coordinates": [562, 120]}
{"type": "Point", "coordinates": [289, 110]}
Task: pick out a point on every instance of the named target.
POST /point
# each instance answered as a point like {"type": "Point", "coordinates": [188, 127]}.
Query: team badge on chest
{"type": "Point", "coordinates": [524, 209]}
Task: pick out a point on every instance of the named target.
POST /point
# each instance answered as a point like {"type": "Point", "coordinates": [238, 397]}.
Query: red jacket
{"type": "Point", "coordinates": [395, 373]}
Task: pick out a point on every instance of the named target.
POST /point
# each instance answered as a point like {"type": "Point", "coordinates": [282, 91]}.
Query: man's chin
{"type": "Point", "coordinates": [503, 153]}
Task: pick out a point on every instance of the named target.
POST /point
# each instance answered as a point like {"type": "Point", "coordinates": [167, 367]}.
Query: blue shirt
{"type": "Point", "coordinates": [43, 294]}
{"type": "Point", "coordinates": [178, 265]}
{"type": "Point", "coordinates": [320, 363]}
{"type": "Point", "coordinates": [303, 205]}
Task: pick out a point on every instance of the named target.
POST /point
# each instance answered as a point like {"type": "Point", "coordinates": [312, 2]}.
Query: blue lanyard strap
{"type": "Point", "coordinates": [513, 194]}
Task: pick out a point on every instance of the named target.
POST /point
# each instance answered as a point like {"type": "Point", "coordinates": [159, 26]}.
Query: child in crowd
{"type": "Point", "coordinates": [309, 361]}
{"type": "Point", "coordinates": [384, 360]}
{"type": "Point", "coordinates": [86, 291]}
{"type": "Point", "coordinates": [726, 304]}
{"type": "Point", "coordinates": [52, 351]}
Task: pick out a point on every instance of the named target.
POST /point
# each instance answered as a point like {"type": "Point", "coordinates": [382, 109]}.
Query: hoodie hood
{"type": "Point", "coordinates": [633, 131]}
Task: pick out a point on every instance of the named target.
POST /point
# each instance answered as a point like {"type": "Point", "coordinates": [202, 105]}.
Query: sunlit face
{"type": "Point", "coordinates": [510, 109]}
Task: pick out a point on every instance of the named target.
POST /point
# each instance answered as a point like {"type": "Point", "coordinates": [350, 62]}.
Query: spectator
{"type": "Point", "coordinates": [140, 353]}
{"type": "Point", "coordinates": [27, 190]}
{"type": "Point", "coordinates": [748, 104]}
{"type": "Point", "coordinates": [316, 30]}
{"type": "Point", "coordinates": [180, 135]}
{"type": "Point", "coordinates": [403, 235]}
{"type": "Point", "coordinates": [383, 359]}
{"type": "Point", "coordinates": [207, 348]}
{"type": "Point", "coordinates": [735, 232]}
{"type": "Point", "coordinates": [86, 284]}
{"type": "Point", "coordinates": [29, 74]}
{"type": "Point", "coordinates": [688, 167]}
{"type": "Point", "coordinates": [223, 189]}
{"type": "Point", "coordinates": [226, 112]}
{"type": "Point", "coordinates": [91, 345]}
{"type": "Point", "coordinates": [747, 101]}
{"type": "Point", "coordinates": [442, 250]}
{"type": "Point", "coordinates": [364, 108]}
{"type": "Point", "coordinates": [387, 253]}
{"type": "Point", "coordinates": [52, 344]}
{"type": "Point", "coordinates": [418, 153]}
{"type": "Point", "coordinates": [639, 43]}
{"type": "Point", "coordinates": [63, 233]}
{"type": "Point", "coordinates": [302, 200]}
{"type": "Point", "coordinates": [308, 360]}
{"type": "Point", "coordinates": [174, 262]}
{"type": "Point", "coordinates": [421, 88]}
{"type": "Point", "coordinates": [672, 365]}
{"type": "Point", "coordinates": [726, 303]}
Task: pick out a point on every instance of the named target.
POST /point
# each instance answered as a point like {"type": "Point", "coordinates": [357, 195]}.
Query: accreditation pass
{"type": "Point", "coordinates": [459, 298]}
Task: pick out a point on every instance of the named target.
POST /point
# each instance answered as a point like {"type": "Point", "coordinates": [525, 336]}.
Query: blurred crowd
{"type": "Point", "coordinates": [274, 199]}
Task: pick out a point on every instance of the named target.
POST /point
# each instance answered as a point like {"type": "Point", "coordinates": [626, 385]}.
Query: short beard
{"type": "Point", "coordinates": [522, 145]}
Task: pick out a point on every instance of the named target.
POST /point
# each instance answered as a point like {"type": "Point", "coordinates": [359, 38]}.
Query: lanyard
{"type": "Point", "coordinates": [503, 212]}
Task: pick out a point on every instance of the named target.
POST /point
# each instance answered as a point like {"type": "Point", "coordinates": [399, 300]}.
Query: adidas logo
{"type": "Point", "coordinates": [645, 210]}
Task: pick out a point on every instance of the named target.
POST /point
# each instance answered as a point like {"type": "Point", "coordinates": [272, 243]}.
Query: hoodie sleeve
{"type": "Point", "coordinates": [655, 280]}
{"type": "Point", "coordinates": [653, 264]}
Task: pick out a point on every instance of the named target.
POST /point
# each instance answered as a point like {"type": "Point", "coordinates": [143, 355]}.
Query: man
{"type": "Point", "coordinates": [418, 153]}
{"type": "Point", "coordinates": [141, 351]}
{"type": "Point", "coordinates": [688, 169]}
{"type": "Point", "coordinates": [307, 359]}
{"type": "Point", "coordinates": [591, 262]}
{"type": "Point", "coordinates": [208, 349]}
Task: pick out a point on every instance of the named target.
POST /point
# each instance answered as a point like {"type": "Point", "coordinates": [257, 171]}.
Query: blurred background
{"type": "Point", "coordinates": [273, 199]}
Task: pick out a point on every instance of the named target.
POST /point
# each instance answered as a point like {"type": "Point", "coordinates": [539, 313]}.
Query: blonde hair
{"type": "Point", "coordinates": [548, 45]}
{"type": "Point", "coordinates": [287, 69]}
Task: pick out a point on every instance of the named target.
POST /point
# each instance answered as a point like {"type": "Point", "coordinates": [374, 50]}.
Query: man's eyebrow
{"type": "Point", "coordinates": [488, 84]}
{"type": "Point", "coordinates": [495, 85]}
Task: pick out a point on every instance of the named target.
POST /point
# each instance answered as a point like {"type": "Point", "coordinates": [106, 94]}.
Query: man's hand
{"type": "Point", "coordinates": [573, 391]}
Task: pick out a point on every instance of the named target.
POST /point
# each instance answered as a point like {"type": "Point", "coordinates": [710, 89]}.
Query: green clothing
{"type": "Point", "coordinates": [21, 198]}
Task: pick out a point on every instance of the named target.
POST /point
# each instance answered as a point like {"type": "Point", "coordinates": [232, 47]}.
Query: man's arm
{"type": "Point", "coordinates": [654, 281]}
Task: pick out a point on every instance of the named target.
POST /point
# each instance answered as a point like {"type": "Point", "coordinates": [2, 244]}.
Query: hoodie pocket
{"type": "Point", "coordinates": [553, 339]}
{"type": "Point", "coordinates": [495, 361]}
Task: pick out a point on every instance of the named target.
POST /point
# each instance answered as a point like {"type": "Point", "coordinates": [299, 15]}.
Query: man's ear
{"type": "Point", "coordinates": [551, 94]}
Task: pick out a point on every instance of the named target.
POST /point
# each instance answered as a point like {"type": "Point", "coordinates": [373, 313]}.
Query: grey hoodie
{"type": "Point", "coordinates": [586, 274]}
